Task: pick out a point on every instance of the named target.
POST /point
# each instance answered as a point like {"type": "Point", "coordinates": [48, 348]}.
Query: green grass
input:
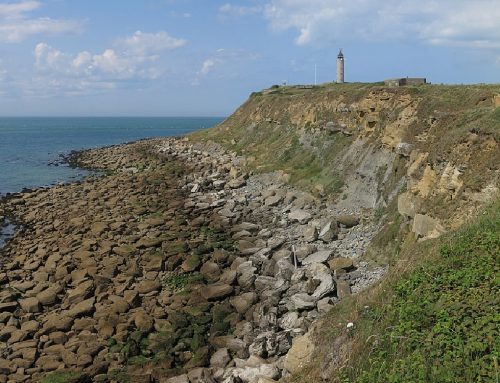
{"type": "Point", "coordinates": [178, 282]}
{"type": "Point", "coordinates": [436, 322]}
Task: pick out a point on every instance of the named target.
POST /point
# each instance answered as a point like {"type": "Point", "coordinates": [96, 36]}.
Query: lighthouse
{"type": "Point", "coordinates": [340, 67]}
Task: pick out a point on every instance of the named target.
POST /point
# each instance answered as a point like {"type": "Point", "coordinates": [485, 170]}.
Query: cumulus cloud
{"type": "Point", "coordinates": [236, 10]}
{"type": "Point", "coordinates": [15, 25]}
{"type": "Point", "coordinates": [141, 43]}
{"type": "Point", "coordinates": [447, 22]}
{"type": "Point", "coordinates": [110, 67]}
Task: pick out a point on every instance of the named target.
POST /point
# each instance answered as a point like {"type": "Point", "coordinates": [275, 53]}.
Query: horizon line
{"type": "Point", "coordinates": [108, 116]}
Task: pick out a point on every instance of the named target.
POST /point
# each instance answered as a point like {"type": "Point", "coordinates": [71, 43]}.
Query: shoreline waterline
{"type": "Point", "coordinates": [32, 150]}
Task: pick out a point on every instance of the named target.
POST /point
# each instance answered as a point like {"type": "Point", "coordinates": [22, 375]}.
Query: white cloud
{"type": "Point", "coordinates": [236, 10]}
{"type": "Point", "coordinates": [220, 58]}
{"type": "Point", "coordinates": [141, 43]}
{"type": "Point", "coordinates": [15, 9]}
{"type": "Point", "coordinates": [205, 67]}
{"type": "Point", "coordinates": [15, 26]}
{"type": "Point", "coordinates": [447, 22]}
{"type": "Point", "coordinates": [134, 58]}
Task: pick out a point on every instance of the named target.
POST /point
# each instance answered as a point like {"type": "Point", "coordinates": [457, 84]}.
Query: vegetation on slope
{"type": "Point", "coordinates": [284, 128]}
{"type": "Point", "coordinates": [435, 319]}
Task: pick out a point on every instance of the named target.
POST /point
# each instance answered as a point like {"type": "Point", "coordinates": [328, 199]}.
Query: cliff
{"type": "Point", "coordinates": [424, 161]}
{"type": "Point", "coordinates": [432, 149]}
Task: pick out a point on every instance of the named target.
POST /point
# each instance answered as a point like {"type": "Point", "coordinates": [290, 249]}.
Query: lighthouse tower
{"type": "Point", "coordinates": [340, 67]}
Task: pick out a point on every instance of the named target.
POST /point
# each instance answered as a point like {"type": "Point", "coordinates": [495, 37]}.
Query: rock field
{"type": "Point", "coordinates": [173, 265]}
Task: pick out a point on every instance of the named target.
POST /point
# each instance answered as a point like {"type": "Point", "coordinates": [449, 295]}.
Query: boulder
{"type": "Point", "coordinates": [147, 286]}
{"type": "Point", "coordinates": [82, 308]}
{"type": "Point", "coordinates": [143, 322]}
{"type": "Point", "coordinates": [211, 271]}
{"type": "Point", "coordinates": [299, 215]}
{"type": "Point", "coordinates": [48, 296]}
{"type": "Point", "coordinates": [83, 291]}
{"type": "Point", "coordinates": [216, 292]}
{"type": "Point", "coordinates": [426, 226]}
{"type": "Point", "coordinates": [220, 358]}
{"type": "Point", "coordinates": [300, 354]}
{"type": "Point", "coordinates": [243, 302]}
{"type": "Point", "coordinates": [404, 149]}
{"type": "Point", "coordinates": [343, 289]}
{"type": "Point", "coordinates": [30, 305]}
{"type": "Point", "coordinates": [321, 273]}
{"type": "Point", "coordinates": [348, 220]}
{"type": "Point", "coordinates": [340, 263]}
{"type": "Point", "coordinates": [329, 231]}
{"type": "Point", "coordinates": [310, 234]}
{"type": "Point", "coordinates": [318, 257]}
{"type": "Point", "coordinates": [303, 301]}
{"type": "Point", "coordinates": [200, 375]}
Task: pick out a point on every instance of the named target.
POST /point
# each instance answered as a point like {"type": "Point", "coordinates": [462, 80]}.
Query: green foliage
{"type": "Point", "coordinates": [177, 282]}
{"type": "Point", "coordinates": [443, 322]}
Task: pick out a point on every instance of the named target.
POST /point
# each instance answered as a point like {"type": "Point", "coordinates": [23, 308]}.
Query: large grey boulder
{"type": "Point", "coordinates": [303, 301]}
{"type": "Point", "coordinates": [321, 273]}
{"type": "Point", "coordinates": [329, 231]}
{"type": "Point", "coordinates": [318, 257]}
{"type": "Point", "coordinates": [300, 216]}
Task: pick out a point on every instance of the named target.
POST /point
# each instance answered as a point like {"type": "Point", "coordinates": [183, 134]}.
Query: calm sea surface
{"type": "Point", "coordinates": [29, 145]}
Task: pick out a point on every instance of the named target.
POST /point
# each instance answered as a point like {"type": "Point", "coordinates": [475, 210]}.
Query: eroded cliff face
{"type": "Point", "coordinates": [433, 148]}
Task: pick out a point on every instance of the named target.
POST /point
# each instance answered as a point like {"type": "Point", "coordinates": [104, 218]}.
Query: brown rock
{"type": "Point", "coordinates": [83, 291]}
{"type": "Point", "coordinates": [216, 292]}
{"type": "Point", "coordinates": [211, 271]}
{"type": "Point", "coordinates": [30, 305]}
{"type": "Point", "coordinates": [343, 289]}
{"type": "Point", "coordinates": [48, 296]}
{"type": "Point", "coordinates": [243, 302]}
{"type": "Point", "coordinates": [7, 367]}
{"type": "Point", "coordinates": [58, 337]}
{"type": "Point", "coordinates": [30, 326]}
{"type": "Point", "coordinates": [56, 322]}
{"type": "Point", "coordinates": [48, 363]}
{"type": "Point", "coordinates": [340, 263]}
{"type": "Point", "coordinates": [143, 322]}
{"type": "Point", "coordinates": [348, 220]}
{"type": "Point", "coordinates": [124, 251]}
{"type": "Point", "coordinates": [300, 354]}
{"type": "Point", "coordinates": [81, 309]}
{"type": "Point", "coordinates": [146, 286]}
{"type": "Point", "coordinates": [119, 305]}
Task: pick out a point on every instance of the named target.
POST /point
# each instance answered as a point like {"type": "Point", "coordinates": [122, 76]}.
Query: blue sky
{"type": "Point", "coordinates": [204, 57]}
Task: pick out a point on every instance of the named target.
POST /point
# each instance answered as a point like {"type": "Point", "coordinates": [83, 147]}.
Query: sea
{"type": "Point", "coordinates": [31, 148]}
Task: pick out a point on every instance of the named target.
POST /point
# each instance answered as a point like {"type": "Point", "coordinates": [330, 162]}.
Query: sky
{"type": "Point", "coordinates": [204, 57]}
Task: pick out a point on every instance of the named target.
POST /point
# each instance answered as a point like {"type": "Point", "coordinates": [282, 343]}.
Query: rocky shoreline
{"type": "Point", "coordinates": [173, 265]}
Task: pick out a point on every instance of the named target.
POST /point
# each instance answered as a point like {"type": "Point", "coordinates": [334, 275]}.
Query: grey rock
{"type": "Point", "coordinates": [317, 257]}
{"type": "Point", "coordinates": [329, 232]}
{"type": "Point", "coordinates": [300, 216]}
{"type": "Point", "coordinates": [303, 301]}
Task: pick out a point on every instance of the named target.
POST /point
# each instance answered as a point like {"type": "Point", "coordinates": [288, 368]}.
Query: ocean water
{"type": "Point", "coordinates": [29, 145]}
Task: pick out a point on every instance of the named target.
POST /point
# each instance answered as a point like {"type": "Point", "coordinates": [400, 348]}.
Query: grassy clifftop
{"type": "Point", "coordinates": [425, 160]}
